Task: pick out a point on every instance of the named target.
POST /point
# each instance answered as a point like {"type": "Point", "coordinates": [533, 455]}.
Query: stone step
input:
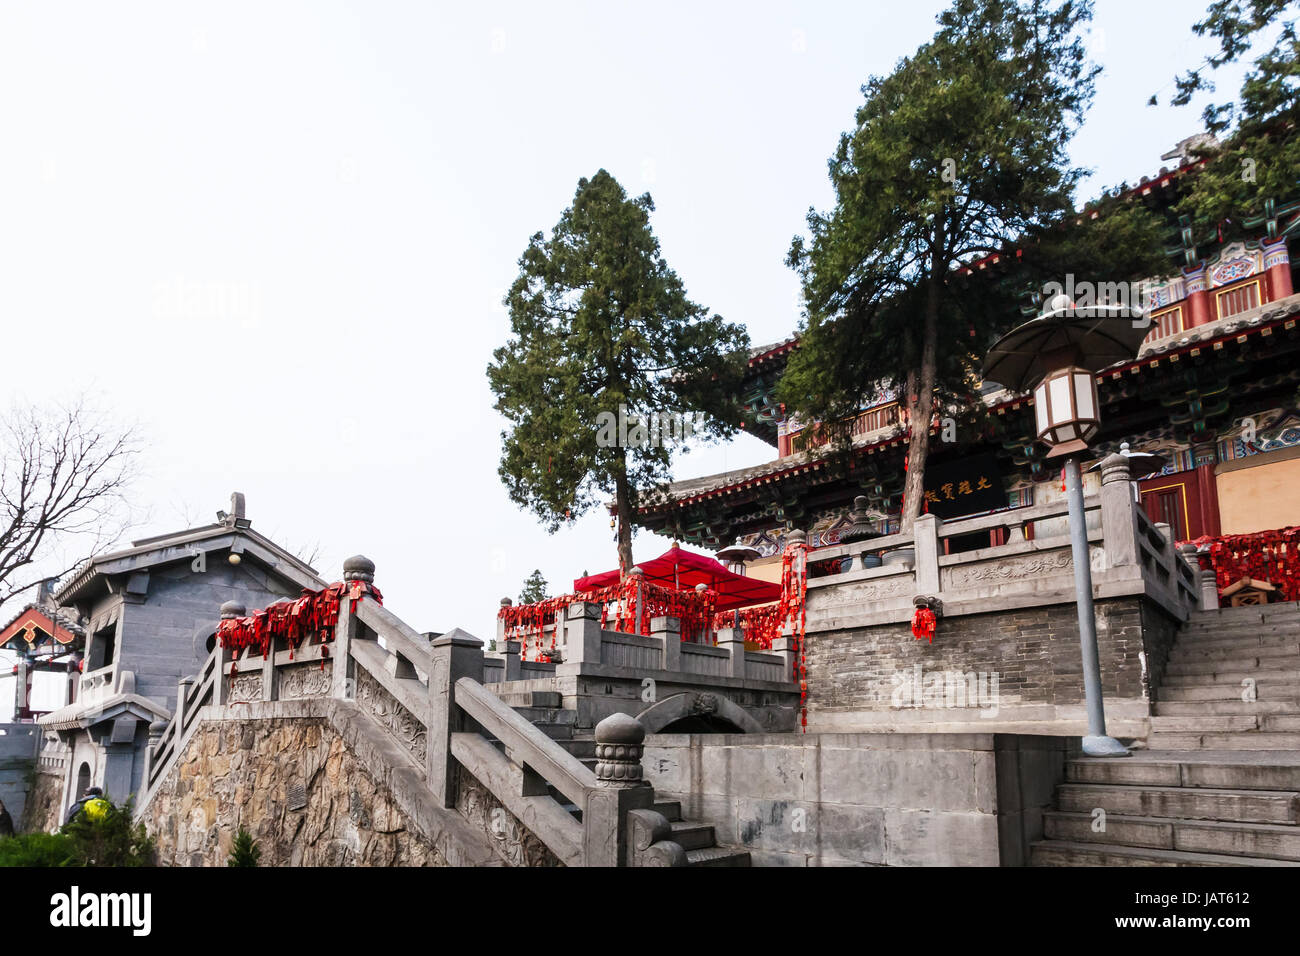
{"type": "Point", "coordinates": [584, 748]}
{"type": "Point", "coordinates": [529, 698]}
{"type": "Point", "coordinates": [1244, 644]}
{"type": "Point", "coordinates": [1223, 772]}
{"type": "Point", "coordinates": [547, 715]}
{"type": "Point", "coordinates": [1268, 840]}
{"type": "Point", "coordinates": [1264, 690]}
{"type": "Point", "coordinates": [1281, 723]}
{"type": "Point", "coordinates": [1257, 740]}
{"type": "Point", "coordinates": [1231, 673]}
{"type": "Point", "coordinates": [717, 856]}
{"type": "Point", "coordinates": [693, 836]}
{"type": "Point", "coordinates": [1181, 708]}
{"type": "Point", "coordinates": [671, 809]}
{"type": "Point", "coordinates": [1256, 665]}
{"type": "Point", "coordinates": [554, 730]}
{"type": "Point", "coordinates": [1277, 611]}
{"type": "Point", "coordinates": [1062, 853]}
{"type": "Point", "coordinates": [1185, 653]}
{"type": "Point", "coordinates": [1204, 803]}
{"type": "Point", "coordinates": [1205, 723]}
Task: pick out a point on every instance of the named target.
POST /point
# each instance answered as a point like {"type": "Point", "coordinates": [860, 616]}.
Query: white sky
{"type": "Point", "coordinates": [276, 235]}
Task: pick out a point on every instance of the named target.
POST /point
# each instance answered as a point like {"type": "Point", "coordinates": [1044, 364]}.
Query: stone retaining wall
{"type": "Point", "coordinates": [298, 789]}
{"type": "Point", "coordinates": [864, 799]}
{"type": "Point", "coordinates": [1021, 668]}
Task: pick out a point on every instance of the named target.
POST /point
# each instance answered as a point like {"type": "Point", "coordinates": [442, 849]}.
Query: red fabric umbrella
{"type": "Point", "coordinates": [681, 570]}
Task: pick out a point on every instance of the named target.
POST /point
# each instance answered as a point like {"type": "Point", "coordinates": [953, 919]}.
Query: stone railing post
{"type": "Point", "coordinates": [501, 623]}
{"type": "Point", "coordinates": [582, 633]}
{"type": "Point", "coordinates": [925, 541]}
{"type": "Point", "coordinates": [669, 631]}
{"type": "Point", "coordinates": [455, 655]}
{"type": "Point", "coordinates": [620, 742]}
{"type": "Point", "coordinates": [221, 686]}
{"type": "Point", "coordinates": [156, 730]}
{"type": "Point", "coordinates": [343, 675]}
{"type": "Point", "coordinates": [637, 575]}
{"type": "Point", "coordinates": [785, 646]}
{"type": "Point", "coordinates": [511, 654]}
{"type": "Point", "coordinates": [732, 640]}
{"type": "Point", "coordinates": [183, 691]}
{"type": "Point", "coordinates": [1209, 583]}
{"type": "Point", "coordinates": [1118, 522]}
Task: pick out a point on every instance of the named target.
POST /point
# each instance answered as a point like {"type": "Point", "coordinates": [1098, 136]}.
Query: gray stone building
{"type": "Point", "coordinates": [151, 613]}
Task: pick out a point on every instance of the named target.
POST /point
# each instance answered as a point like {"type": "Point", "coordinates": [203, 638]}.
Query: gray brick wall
{"type": "Point", "coordinates": [1034, 652]}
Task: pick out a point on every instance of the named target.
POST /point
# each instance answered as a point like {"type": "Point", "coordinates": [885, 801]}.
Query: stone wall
{"type": "Point", "coordinates": [298, 789]}
{"type": "Point", "coordinates": [1021, 668]}
{"type": "Point", "coordinates": [863, 799]}
{"type": "Point", "coordinates": [18, 743]}
{"type": "Point", "coordinates": [43, 804]}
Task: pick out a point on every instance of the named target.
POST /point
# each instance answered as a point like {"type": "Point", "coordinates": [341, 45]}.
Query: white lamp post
{"type": "Point", "coordinates": [1058, 355]}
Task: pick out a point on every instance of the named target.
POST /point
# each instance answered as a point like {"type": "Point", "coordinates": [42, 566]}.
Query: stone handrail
{"type": "Point", "coordinates": [431, 698]}
{"type": "Point", "coordinates": [1130, 555]}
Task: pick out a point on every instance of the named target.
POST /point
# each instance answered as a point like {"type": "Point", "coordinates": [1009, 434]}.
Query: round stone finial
{"type": "Point", "coordinates": [359, 568]}
{"type": "Point", "coordinates": [619, 744]}
{"type": "Point", "coordinates": [506, 602]}
{"type": "Point", "coordinates": [635, 570]}
{"type": "Point", "coordinates": [232, 609]}
{"type": "Point", "coordinates": [796, 537]}
{"type": "Point", "coordinates": [1114, 468]}
{"type": "Point", "coordinates": [620, 729]}
{"type": "Point", "coordinates": [157, 728]}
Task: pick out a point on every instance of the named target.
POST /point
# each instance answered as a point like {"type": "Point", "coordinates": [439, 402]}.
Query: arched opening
{"type": "Point", "coordinates": [83, 780]}
{"type": "Point", "coordinates": [211, 643]}
{"type": "Point", "coordinates": [701, 724]}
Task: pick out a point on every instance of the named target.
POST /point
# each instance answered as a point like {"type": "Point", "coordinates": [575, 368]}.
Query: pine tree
{"type": "Point", "coordinates": [603, 332]}
{"type": "Point", "coordinates": [1259, 156]}
{"type": "Point", "coordinates": [244, 851]}
{"type": "Point", "coordinates": [956, 155]}
{"type": "Point", "coordinates": [534, 589]}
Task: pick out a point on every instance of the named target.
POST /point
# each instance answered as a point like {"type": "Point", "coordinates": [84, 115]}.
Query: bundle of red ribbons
{"type": "Point", "coordinates": [315, 613]}
{"type": "Point", "coordinates": [1272, 556]}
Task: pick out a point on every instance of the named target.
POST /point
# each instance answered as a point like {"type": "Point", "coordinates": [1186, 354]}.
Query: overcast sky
{"type": "Point", "coordinates": [276, 235]}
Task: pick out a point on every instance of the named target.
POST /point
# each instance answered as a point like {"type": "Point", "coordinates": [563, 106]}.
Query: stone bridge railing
{"type": "Point", "coordinates": [430, 697]}
{"type": "Point", "coordinates": [1128, 554]}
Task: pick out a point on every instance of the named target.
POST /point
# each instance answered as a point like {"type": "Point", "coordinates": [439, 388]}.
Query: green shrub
{"type": "Point", "coordinates": [109, 840]}
{"type": "Point", "coordinates": [244, 851]}
{"type": "Point", "coordinates": [37, 849]}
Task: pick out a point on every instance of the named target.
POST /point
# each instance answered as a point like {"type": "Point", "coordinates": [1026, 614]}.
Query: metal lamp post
{"type": "Point", "coordinates": [1057, 356]}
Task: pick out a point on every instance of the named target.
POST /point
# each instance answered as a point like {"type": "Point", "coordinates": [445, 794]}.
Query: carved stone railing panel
{"type": "Point", "coordinates": [405, 727]}
{"type": "Point", "coordinates": [305, 680]}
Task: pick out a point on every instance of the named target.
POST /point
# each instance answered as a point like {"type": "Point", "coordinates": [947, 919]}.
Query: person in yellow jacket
{"type": "Point", "coordinates": [93, 803]}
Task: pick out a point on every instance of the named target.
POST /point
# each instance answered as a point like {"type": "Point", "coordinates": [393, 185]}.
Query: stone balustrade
{"type": "Point", "coordinates": [430, 698]}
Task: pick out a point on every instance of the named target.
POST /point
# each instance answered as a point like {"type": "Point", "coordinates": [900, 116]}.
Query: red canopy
{"type": "Point", "coordinates": [682, 570]}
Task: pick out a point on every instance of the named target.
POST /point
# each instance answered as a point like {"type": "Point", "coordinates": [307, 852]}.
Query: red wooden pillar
{"type": "Point", "coordinates": [1198, 298]}
{"type": "Point", "coordinates": [1277, 268]}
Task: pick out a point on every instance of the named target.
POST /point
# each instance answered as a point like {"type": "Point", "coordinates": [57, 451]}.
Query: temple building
{"type": "Point", "coordinates": [1214, 391]}
{"type": "Point", "coordinates": [151, 613]}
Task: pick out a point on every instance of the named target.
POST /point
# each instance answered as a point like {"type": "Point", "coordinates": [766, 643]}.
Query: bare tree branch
{"type": "Point", "coordinates": [63, 471]}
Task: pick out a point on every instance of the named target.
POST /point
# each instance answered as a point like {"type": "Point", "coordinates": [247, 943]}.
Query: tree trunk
{"type": "Point", "coordinates": [920, 409]}
{"type": "Point", "coordinates": [623, 505]}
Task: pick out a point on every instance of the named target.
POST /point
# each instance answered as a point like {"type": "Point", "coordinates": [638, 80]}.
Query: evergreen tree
{"type": "Point", "coordinates": [956, 155]}
{"type": "Point", "coordinates": [534, 589]}
{"type": "Point", "coordinates": [605, 342]}
{"type": "Point", "coordinates": [1259, 157]}
{"type": "Point", "coordinates": [244, 851]}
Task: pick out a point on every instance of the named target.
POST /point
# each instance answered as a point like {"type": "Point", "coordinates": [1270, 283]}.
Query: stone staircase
{"type": "Point", "coordinates": [545, 711]}
{"type": "Point", "coordinates": [1220, 782]}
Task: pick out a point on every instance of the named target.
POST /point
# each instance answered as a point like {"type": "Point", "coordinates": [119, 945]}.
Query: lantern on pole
{"type": "Point", "coordinates": [1057, 356]}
